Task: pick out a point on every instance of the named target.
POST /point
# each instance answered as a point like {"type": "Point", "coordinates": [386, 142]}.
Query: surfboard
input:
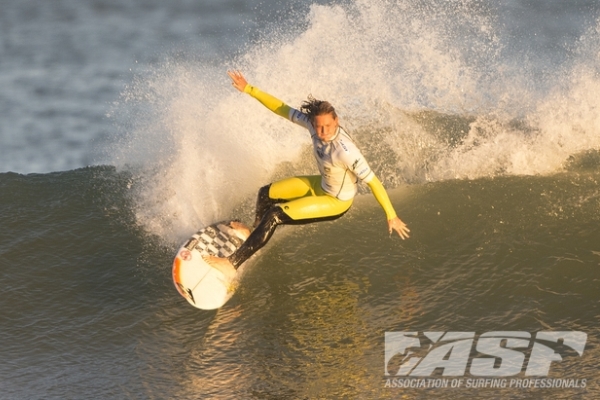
{"type": "Point", "coordinates": [200, 284]}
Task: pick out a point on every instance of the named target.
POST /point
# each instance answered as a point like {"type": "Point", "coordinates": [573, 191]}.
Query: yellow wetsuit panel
{"type": "Point", "coordinates": [271, 102]}
{"type": "Point", "coordinates": [382, 197]}
{"type": "Point", "coordinates": [305, 199]}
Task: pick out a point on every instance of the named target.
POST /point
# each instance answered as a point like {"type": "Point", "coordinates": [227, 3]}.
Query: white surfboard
{"type": "Point", "coordinates": [200, 284]}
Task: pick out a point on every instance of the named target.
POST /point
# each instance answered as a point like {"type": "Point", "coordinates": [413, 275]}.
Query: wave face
{"type": "Point", "coordinates": [479, 117]}
{"type": "Point", "coordinates": [89, 306]}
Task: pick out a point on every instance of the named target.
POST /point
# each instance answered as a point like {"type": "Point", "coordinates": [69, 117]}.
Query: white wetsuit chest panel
{"type": "Point", "coordinates": [340, 162]}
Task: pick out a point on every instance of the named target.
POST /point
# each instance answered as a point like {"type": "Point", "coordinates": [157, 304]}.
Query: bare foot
{"type": "Point", "coordinates": [222, 264]}
{"type": "Point", "coordinates": [241, 228]}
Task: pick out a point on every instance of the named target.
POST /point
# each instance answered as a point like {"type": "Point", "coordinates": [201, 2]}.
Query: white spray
{"type": "Point", "coordinates": [200, 148]}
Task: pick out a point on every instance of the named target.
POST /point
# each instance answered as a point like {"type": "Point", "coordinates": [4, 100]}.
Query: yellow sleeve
{"type": "Point", "coordinates": [382, 197]}
{"type": "Point", "coordinates": [272, 103]}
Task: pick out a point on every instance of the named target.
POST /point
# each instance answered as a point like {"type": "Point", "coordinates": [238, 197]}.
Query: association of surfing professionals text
{"type": "Point", "coordinates": [497, 359]}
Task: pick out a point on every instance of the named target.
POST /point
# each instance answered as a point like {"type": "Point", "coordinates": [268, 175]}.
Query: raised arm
{"type": "Point", "coordinates": [277, 106]}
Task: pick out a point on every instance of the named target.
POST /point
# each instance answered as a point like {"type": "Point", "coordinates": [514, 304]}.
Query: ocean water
{"type": "Point", "coordinates": [120, 135]}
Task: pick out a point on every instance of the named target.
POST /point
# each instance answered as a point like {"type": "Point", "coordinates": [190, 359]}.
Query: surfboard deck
{"type": "Point", "coordinates": [203, 286]}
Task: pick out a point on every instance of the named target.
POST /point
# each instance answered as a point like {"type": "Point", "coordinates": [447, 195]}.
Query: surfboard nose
{"type": "Point", "coordinates": [203, 285]}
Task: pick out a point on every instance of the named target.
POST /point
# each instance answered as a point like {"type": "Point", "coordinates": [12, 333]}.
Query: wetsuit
{"type": "Point", "coordinates": [306, 199]}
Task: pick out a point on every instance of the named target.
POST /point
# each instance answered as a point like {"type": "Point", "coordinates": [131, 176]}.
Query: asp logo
{"type": "Point", "coordinates": [493, 354]}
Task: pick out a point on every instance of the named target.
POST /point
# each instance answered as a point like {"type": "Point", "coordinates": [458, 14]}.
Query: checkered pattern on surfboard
{"type": "Point", "coordinates": [217, 240]}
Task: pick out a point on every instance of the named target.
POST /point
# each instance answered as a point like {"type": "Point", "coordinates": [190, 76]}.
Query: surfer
{"type": "Point", "coordinates": [306, 199]}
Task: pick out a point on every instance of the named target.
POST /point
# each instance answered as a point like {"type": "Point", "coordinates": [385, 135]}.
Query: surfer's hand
{"type": "Point", "coordinates": [395, 224]}
{"type": "Point", "coordinates": [237, 80]}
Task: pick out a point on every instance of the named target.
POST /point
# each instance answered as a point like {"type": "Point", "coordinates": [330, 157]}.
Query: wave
{"type": "Point", "coordinates": [85, 283]}
{"type": "Point", "coordinates": [63, 210]}
{"type": "Point", "coordinates": [432, 92]}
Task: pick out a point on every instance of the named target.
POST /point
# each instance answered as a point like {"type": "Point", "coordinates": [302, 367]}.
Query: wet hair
{"type": "Point", "coordinates": [313, 107]}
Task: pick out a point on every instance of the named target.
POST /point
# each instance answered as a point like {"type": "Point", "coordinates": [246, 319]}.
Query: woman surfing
{"type": "Point", "coordinates": [306, 199]}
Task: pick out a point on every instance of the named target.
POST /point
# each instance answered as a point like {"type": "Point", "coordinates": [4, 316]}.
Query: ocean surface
{"type": "Point", "coordinates": [120, 136]}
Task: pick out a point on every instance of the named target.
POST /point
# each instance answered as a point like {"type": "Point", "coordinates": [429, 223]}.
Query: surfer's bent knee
{"type": "Point", "coordinates": [273, 217]}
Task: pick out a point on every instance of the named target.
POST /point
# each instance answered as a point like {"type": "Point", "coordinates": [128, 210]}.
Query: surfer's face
{"type": "Point", "coordinates": [326, 126]}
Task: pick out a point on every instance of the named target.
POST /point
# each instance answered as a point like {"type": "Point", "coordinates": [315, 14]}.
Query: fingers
{"type": "Point", "coordinates": [400, 228]}
{"type": "Point", "coordinates": [237, 79]}
{"type": "Point", "coordinates": [235, 75]}
{"type": "Point", "coordinates": [403, 233]}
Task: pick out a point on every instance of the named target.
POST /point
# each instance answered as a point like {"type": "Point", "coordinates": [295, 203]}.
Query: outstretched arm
{"type": "Point", "coordinates": [394, 223]}
{"type": "Point", "coordinates": [277, 106]}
